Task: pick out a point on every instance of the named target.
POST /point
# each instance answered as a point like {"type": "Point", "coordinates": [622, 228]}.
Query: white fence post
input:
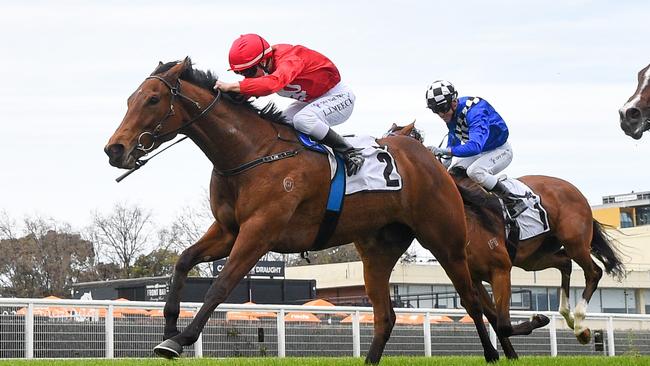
{"type": "Point", "coordinates": [198, 345]}
{"type": "Point", "coordinates": [281, 338]}
{"type": "Point", "coordinates": [356, 335]}
{"type": "Point", "coordinates": [493, 336]}
{"type": "Point", "coordinates": [611, 350]}
{"type": "Point", "coordinates": [553, 335]}
{"type": "Point", "coordinates": [427, 334]}
{"type": "Point", "coordinates": [29, 331]}
{"type": "Point", "coordinates": [110, 331]}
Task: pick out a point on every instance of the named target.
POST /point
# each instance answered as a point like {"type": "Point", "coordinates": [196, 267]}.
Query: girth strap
{"type": "Point", "coordinates": [252, 164]}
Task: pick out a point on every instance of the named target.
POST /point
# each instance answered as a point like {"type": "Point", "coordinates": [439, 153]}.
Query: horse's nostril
{"type": "Point", "coordinates": [114, 151]}
{"type": "Point", "coordinates": [633, 114]}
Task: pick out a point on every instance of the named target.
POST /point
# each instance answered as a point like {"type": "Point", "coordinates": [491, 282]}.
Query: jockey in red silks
{"type": "Point", "coordinates": [321, 99]}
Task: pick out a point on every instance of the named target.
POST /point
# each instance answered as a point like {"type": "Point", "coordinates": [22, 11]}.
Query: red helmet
{"type": "Point", "coordinates": [248, 50]}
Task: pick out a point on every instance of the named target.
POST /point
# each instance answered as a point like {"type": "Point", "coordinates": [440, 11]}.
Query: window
{"type": "Point", "coordinates": [618, 300]}
{"type": "Point", "coordinates": [643, 215]}
{"type": "Point", "coordinates": [626, 219]}
{"type": "Point", "coordinates": [540, 299]}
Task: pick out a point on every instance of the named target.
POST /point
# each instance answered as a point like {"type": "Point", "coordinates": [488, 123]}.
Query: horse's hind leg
{"type": "Point", "coordinates": [593, 274]}
{"type": "Point", "coordinates": [215, 244]}
{"type": "Point", "coordinates": [565, 268]}
{"type": "Point", "coordinates": [379, 258]}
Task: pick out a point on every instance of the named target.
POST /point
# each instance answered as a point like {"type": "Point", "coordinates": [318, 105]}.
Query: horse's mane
{"type": "Point", "coordinates": [486, 208]}
{"type": "Point", "coordinates": [206, 80]}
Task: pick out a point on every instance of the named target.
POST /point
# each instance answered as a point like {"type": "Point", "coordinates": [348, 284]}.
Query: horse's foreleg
{"type": "Point", "coordinates": [491, 315]}
{"type": "Point", "coordinates": [378, 263]}
{"type": "Point", "coordinates": [251, 243]}
{"type": "Point", "coordinates": [500, 280]}
{"type": "Point", "coordinates": [214, 244]}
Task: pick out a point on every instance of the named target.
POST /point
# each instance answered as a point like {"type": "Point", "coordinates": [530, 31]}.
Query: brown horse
{"type": "Point", "coordinates": [574, 235]}
{"type": "Point", "coordinates": [635, 114]}
{"type": "Point", "coordinates": [260, 206]}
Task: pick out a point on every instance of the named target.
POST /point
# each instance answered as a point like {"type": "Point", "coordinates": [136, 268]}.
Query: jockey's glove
{"type": "Point", "coordinates": [353, 161]}
{"type": "Point", "coordinates": [438, 151]}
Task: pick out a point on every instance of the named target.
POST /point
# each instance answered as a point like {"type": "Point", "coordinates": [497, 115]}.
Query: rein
{"type": "Point", "coordinates": [155, 135]}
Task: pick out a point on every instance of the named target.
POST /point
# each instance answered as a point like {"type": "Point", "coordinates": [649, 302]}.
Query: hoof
{"type": "Point", "coordinates": [491, 356]}
{"type": "Point", "coordinates": [539, 320]}
{"type": "Point", "coordinates": [584, 337]}
{"type": "Point", "coordinates": [168, 349]}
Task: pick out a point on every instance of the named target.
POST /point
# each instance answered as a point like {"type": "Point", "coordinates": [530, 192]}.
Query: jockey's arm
{"type": "Point", "coordinates": [227, 87]}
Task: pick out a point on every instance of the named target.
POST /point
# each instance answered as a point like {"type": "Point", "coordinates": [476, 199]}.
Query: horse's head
{"type": "Point", "coordinates": [635, 114]}
{"type": "Point", "coordinates": [153, 116]}
{"type": "Point", "coordinates": [408, 130]}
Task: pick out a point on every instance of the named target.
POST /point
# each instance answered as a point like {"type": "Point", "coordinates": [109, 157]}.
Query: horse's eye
{"type": "Point", "coordinates": [153, 100]}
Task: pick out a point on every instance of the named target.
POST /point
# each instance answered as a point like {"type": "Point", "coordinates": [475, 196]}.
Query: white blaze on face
{"type": "Point", "coordinates": [645, 80]}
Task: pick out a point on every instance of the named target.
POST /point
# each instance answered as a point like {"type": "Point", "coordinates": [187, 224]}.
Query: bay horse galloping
{"type": "Point", "coordinates": [635, 113]}
{"type": "Point", "coordinates": [263, 204]}
{"type": "Point", "coordinates": [574, 235]}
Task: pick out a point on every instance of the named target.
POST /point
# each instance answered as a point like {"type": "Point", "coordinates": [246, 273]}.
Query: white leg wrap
{"type": "Point", "coordinates": [579, 313]}
{"type": "Point", "coordinates": [565, 309]}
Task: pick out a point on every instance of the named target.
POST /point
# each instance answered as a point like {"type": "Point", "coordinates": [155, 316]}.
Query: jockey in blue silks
{"type": "Point", "coordinates": [477, 140]}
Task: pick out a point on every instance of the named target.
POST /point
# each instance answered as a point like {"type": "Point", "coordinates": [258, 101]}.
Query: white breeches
{"type": "Point", "coordinates": [316, 117]}
{"type": "Point", "coordinates": [482, 168]}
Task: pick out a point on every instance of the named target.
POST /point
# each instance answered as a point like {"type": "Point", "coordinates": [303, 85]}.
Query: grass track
{"type": "Point", "coordinates": [325, 361]}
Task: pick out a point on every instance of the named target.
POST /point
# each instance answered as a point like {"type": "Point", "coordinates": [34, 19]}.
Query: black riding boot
{"type": "Point", "coordinates": [514, 205]}
{"type": "Point", "coordinates": [352, 157]}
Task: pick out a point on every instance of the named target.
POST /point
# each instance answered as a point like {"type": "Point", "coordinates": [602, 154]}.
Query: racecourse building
{"type": "Point", "coordinates": [414, 284]}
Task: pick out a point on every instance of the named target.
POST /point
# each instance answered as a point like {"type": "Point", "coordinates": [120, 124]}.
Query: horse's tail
{"type": "Point", "coordinates": [602, 248]}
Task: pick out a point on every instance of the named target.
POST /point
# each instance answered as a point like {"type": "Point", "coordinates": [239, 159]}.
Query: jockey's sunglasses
{"type": "Point", "coordinates": [248, 73]}
{"type": "Point", "coordinates": [440, 108]}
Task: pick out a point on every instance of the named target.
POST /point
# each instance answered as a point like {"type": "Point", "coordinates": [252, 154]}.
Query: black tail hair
{"type": "Point", "coordinates": [603, 249]}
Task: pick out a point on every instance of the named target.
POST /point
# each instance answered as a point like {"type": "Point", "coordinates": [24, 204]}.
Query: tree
{"type": "Point", "coordinates": [122, 235]}
{"type": "Point", "coordinates": [340, 254]}
{"type": "Point", "coordinates": [159, 262]}
{"type": "Point", "coordinates": [7, 226]}
{"type": "Point", "coordinates": [46, 261]}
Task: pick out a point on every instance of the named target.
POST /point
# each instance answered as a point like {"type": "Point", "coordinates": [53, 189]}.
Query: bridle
{"type": "Point", "coordinates": [156, 135]}
{"type": "Point", "coordinates": [175, 92]}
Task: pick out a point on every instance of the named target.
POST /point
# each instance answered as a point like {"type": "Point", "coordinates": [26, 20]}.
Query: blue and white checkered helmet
{"type": "Point", "coordinates": [439, 95]}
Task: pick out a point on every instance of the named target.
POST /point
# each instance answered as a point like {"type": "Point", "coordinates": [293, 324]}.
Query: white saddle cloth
{"type": "Point", "coordinates": [379, 171]}
{"type": "Point", "coordinates": [533, 221]}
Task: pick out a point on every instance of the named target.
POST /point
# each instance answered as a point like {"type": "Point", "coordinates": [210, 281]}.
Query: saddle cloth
{"type": "Point", "coordinates": [533, 221]}
{"type": "Point", "coordinates": [378, 173]}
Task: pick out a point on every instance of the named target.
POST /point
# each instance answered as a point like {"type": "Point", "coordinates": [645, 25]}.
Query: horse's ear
{"type": "Point", "coordinates": [180, 67]}
{"type": "Point", "coordinates": [393, 127]}
{"type": "Point", "coordinates": [187, 63]}
{"type": "Point", "coordinates": [160, 63]}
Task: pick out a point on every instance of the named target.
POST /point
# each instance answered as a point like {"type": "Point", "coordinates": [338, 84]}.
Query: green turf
{"type": "Point", "coordinates": [324, 361]}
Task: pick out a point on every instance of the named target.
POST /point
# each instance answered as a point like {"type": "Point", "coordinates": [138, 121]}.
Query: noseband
{"type": "Point", "coordinates": [175, 92]}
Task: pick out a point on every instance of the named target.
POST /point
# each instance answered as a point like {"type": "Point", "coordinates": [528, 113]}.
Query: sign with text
{"type": "Point", "coordinates": [262, 268]}
{"type": "Point", "coordinates": [156, 292]}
